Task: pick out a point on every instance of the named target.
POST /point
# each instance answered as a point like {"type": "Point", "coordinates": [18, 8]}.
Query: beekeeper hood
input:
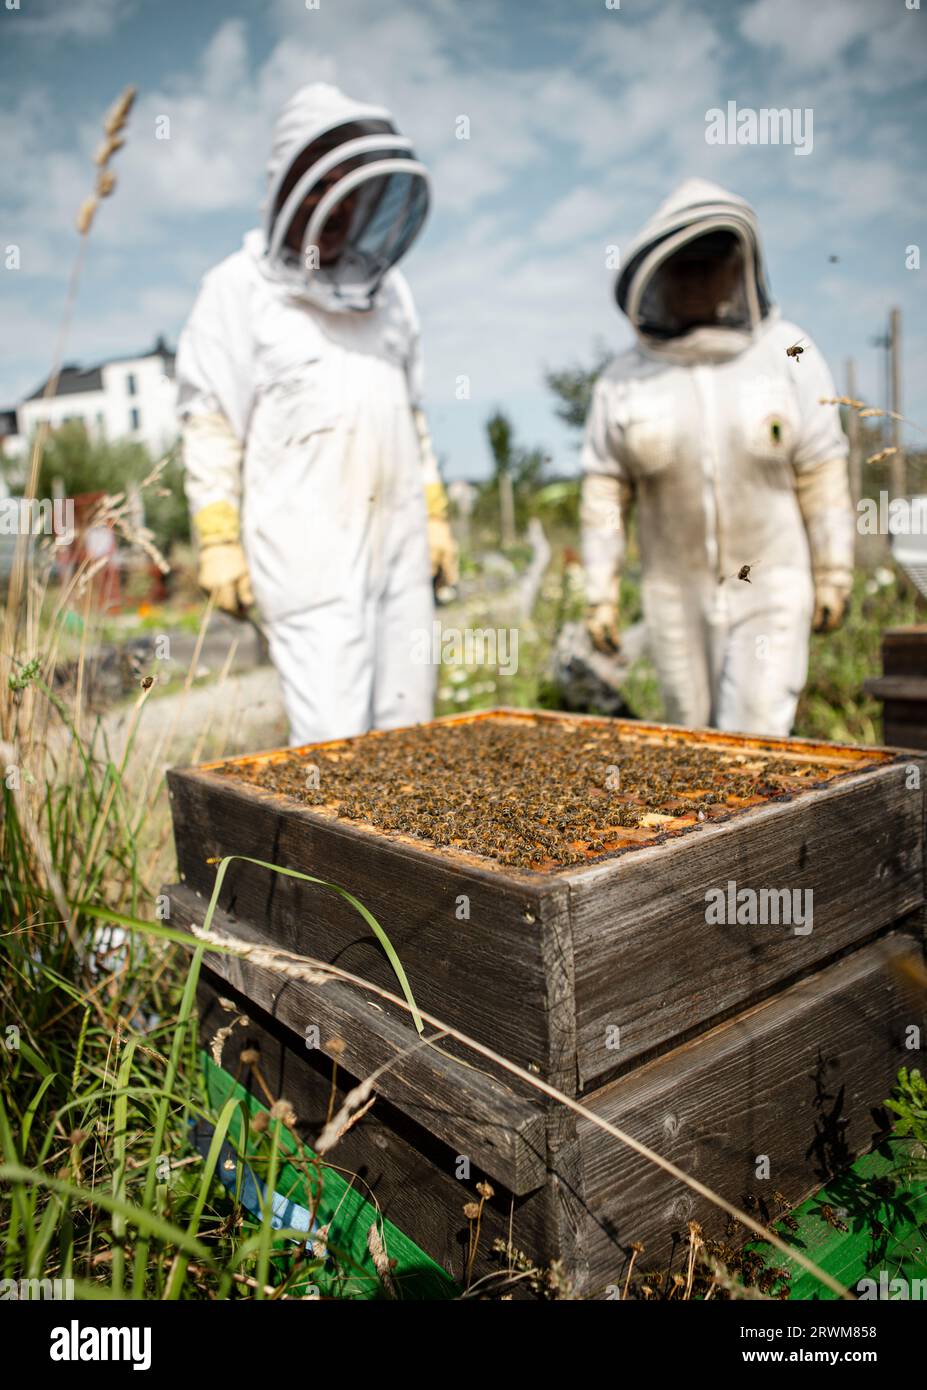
{"type": "Point", "coordinates": [346, 198]}
{"type": "Point", "coordinates": [693, 282]}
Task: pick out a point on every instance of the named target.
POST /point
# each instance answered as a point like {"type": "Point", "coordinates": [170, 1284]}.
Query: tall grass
{"type": "Point", "coordinates": [98, 1182]}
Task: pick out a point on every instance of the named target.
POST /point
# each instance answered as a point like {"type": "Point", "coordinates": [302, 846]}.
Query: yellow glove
{"type": "Point", "coordinates": [830, 605]}
{"type": "Point", "coordinates": [445, 565]}
{"type": "Point", "coordinates": [602, 626]}
{"type": "Point", "coordinates": [223, 570]}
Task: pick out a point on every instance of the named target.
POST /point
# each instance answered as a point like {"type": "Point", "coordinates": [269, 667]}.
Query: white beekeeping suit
{"type": "Point", "coordinates": [310, 476]}
{"type": "Point", "coordinates": [718, 440]}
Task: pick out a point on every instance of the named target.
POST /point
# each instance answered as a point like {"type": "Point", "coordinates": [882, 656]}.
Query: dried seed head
{"type": "Point", "coordinates": [283, 1110]}
{"type": "Point", "coordinates": [260, 1121]}
{"type": "Point", "coordinates": [119, 112]}
{"type": "Point", "coordinates": [336, 1046]}
{"type": "Point", "coordinates": [106, 182]}
{"type": "Point", "coordinates": [85, 215]}
{"type": "Point", "coordinates": [381, 1260]}
{"type": "Point", "coordinates": [248, 1056]}
{"type": "Point", "coordinates": [320, 1244]}
{"type": "Point", "coordinates": [471, 1210]}
{"type": "Point", "coordinates": [106, 150]}
{"type": "Point", "coordinates": [485, 1190]}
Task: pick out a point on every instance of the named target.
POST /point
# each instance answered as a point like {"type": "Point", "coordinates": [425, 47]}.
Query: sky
{"type": "Point", "coordinates": [582, 115]}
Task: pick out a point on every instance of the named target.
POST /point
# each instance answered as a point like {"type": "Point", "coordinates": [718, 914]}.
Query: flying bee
{"type": "Point", "coordinates": [743, 573]}
{"type": "Point", "coordinates": [828, 1214]}
{"type": "Point", "coordinates": [795, 350]}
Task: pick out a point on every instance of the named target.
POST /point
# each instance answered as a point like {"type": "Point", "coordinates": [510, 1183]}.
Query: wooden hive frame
{"type": "Point", "coordinates": [596, 977]}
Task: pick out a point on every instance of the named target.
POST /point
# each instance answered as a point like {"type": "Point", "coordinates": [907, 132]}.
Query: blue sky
{"type": "Point", "coordinates": [582, 118]}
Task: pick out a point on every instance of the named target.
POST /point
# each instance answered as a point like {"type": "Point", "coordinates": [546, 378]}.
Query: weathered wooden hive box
{"type": "Point", "coordinates": [708, 939]}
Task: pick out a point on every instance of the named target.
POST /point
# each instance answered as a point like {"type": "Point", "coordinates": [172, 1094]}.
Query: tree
{"type": "Point", "coordinates": [517, 477]}
{"type": "Point", "coordinates": [499, 430]}
{"type": "Point", "coordinates": [573, 387]}
{"type": "Point", "coordinates": [81, 463]}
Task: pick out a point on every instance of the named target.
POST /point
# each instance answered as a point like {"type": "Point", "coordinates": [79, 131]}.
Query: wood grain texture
{"type": "Point", "coordinates": [493, 1120]}
{"type": "Point", "coordinates": [483, 972]}
{"type": "Point", "coordinates": [800, 1078]}
{"type": "Point", "coordinates": [485, 947]}
{"type": "Point", "coordinates": [400, 1165]}
{"type": "Point", "coordinates": [565, 1194]}
{"type": "Point", "coordinates": [649, 963]}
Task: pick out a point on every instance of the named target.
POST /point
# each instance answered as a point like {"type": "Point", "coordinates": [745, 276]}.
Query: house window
{"type": "Point", "coordinates": [131, 384]}
{"type": "Point", "coordinates": [135, 419]}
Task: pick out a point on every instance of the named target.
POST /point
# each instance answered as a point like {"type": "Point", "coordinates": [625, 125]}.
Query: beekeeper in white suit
{"type": "Point", "coordinates": [312, 484]}
{"type": "Point", "coordinates": [718, 440]}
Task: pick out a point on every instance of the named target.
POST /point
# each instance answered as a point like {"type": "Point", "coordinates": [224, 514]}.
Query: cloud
{"type": "Point", "coordinates": [884, 43]}
{"type": "Point", "coordinates": [583, 210]}
{"type": "Point", "coordinates": [73, 19]}
{"type": "Point", "coordinates": [581, 120]}
{"type": "Point", "coordinates": [806, 36]}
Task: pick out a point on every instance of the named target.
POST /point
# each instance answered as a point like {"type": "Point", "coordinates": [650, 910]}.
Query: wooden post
{"type": "Point", "coordinates": [855, 460]}
{"type": "Point", "coordinates": [899, 481]}
{"type": "Point", "coordinates": [506, 508]}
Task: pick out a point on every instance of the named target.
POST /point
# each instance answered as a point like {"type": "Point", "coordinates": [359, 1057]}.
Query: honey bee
{"type": "Point", "coordinates": [795, 350]}
{"type": "Point", "coordinates": [785, 1216]}
{"type": "Point", "coordinates": [828, 1214]}
{"type": "Point", "coordinates": [743, 573]}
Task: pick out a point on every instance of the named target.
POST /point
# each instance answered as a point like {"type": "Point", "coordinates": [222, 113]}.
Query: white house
{"type": "Point", "coordinates": [124, 398]}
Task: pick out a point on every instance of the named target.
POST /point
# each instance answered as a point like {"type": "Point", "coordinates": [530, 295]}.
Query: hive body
{"type": "Point", "coordinates": [594, 963]}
